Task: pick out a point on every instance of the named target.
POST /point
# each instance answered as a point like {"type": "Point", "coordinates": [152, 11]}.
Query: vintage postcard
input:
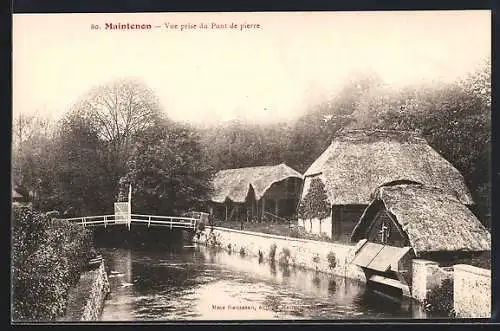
{"type": "Point", "coordinates": [264, 166]}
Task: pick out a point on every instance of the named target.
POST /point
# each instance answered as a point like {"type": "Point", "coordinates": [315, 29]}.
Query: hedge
{"type": "Point", "coordinates": [46, 261]}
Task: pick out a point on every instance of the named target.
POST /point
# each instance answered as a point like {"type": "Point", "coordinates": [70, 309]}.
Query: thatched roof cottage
{"type": "Point", "coordinates": [359, 161]}
{"type": "Point", "coordinates": [428, 219]}
{"type": "Point", "coordinates": [407, 221]}
{"type": "Point", "coordinates": [254, 193]}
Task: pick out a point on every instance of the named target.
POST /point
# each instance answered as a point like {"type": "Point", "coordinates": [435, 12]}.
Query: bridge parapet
{"type": "Point", "coordinates": [149, 220]}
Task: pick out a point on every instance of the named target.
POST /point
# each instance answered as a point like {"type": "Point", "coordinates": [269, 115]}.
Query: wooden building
{"type": "Point", "coordinates": [410, 220]}
{"type": "Point", "coordinates": [359, 161]}
{"type": "Point", "coordinates": [256, 193]}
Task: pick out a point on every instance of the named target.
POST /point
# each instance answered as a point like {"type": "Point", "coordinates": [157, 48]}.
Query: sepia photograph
{"type": "Point", "coordinates": [251, 166]}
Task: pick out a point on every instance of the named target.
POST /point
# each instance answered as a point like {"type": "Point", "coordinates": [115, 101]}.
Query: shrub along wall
{"type": "Point", "coordinates": [47, 260]}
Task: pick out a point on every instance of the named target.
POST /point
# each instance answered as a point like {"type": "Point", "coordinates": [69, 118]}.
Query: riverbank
{"type": "Point", "coordinates": [86, 299]}
{"type": "Point", "coordinates": [326, 257]}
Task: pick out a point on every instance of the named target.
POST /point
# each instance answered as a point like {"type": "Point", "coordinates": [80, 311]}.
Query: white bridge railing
{"type": "Point", "coordinates": [149, 220]}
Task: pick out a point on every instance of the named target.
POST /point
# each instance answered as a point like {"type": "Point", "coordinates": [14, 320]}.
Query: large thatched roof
{"type": "Point", "coordinates": [359, 161]}
{"type": "Point", "coordinates": [234, 184]}
{"type": "Point", "coordinates": [433, 220]}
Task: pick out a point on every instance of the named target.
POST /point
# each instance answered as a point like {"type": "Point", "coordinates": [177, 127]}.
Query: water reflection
{"type": "Point", "coordinates": [199, 283]}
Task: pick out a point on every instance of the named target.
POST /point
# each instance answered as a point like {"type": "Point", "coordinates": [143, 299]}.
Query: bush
{"type": "Point", "coordinates": [213, 240]}
{"type": "Point", "coordinates": [324, 236]}
{"type": "Point", "coordinates": [27, 232]}
{"type": "Point", "coordinates": [332, 260]}
{"type": "Point", "coordinates": [440, 299]}
{"type": "Point", "coordinates": [200, 226]}
{"type": "Point", "coordinates": [272, 252]}
{"type": "Point", "coordinates": [242, 251]}
{"type": "Point", "coordinates": [261, 256]}
{"type": "Point", "coordinates": [295, 232]}
{"type": "Point", "coordinates": [285, 257]}
{"type": "Point", "coordinates": [40, 287]}
{"type": "Point", "coordinates": [46, 262]}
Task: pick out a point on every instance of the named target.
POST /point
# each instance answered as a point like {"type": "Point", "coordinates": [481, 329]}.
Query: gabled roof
{"type": "Point", "coordinates": [234, 184]}
{"type": "Point", "coordinates": [359, 161]}
{"type": "Point", "coordinates": [433, 219]}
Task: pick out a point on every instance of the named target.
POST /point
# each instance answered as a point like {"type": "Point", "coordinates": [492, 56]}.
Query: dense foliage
{"type": "Point", "coordinates": [111, 137]}
{"type": "Point", "coordinates": [332, 260]}
{"type": "Point", "coordinates": [440, 299]}
{"type": "Point", "coordinates": [46, 261]}
{"type": "Point", "coordinates": [167, 172]}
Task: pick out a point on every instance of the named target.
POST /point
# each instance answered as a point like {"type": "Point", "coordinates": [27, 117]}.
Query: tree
{"type": "Point", "coordinates": [32, 134]}
{"type": "Point", "coordinates": [240, 144]}
{"type": "Point", "coordinates": [315, 203]}
{"type": "Point", "coordinates": [313, 132]}
{"type": "Point", "coordinates": [85, 185]}
{"type": "Point", "coordinates": [119, 111]}
{"type": "Point", "coordinates": [167, 171]}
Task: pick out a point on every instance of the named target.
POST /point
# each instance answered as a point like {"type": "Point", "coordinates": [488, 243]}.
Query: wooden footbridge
{"type": "Point", "coordinates": [147, 220]}
{"type": "Point", "coordinates": [123, 216]}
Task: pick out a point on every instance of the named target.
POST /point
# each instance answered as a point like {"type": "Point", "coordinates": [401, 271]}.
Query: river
{"type": "Point", "coordinates": [196, 283]}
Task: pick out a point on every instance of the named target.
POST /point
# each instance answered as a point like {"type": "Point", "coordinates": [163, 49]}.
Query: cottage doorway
{"type": "Point", "coordinates": [336, 226]}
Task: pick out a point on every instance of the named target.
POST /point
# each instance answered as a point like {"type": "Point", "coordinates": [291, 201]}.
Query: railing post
{"type": "Point", "coordinates": [149, 221]}
{"type": "Point", "coordinates": [105, 221]}
{"type": "Point", "coordinates": [171, 220]}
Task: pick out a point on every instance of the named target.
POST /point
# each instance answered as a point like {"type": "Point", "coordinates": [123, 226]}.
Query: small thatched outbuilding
{"type": "Point", "coordinates": [359, 161]}
{"type": "Point", "coordinates": [256, 193]}
{"type": "Point", "coordinates": [407, 221]}
{"type": "Point", "coordinates": [428, 219]}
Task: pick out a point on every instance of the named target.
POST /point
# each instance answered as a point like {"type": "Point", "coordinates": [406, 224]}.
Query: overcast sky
{"type": "Point", "coordinates": [274, 72]}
